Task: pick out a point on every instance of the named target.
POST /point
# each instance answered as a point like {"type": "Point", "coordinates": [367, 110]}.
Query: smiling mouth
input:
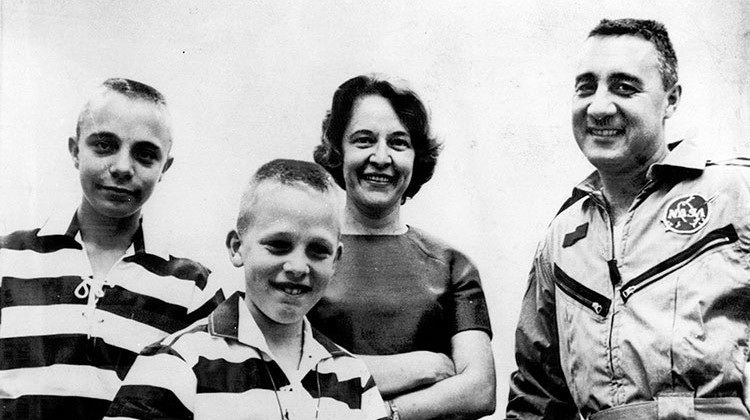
{"type": "Point", "coordinates": [605, 132]}
{"type": "Point", "coordinates": [118, 194]}
{"type": "Point", "coordinates": [379, 178]}
{"type": "Point", "coordinates": [292, 289]}
{"type": "Point", "coordinates": [117, 190]}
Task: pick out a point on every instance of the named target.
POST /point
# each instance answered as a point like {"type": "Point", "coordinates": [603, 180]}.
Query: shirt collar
{"type": "Point", "coordinates": [144, 241]}
{"type": "Point", "coordinates": [232, 320]}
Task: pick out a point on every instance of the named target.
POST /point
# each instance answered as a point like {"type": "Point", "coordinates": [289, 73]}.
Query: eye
{"type": "Point", "coordinates": [319, 251]}
{"type": "Point", "coordinates": [146, 155]}
{"type": "Point", "coordinates": [400, 143]}
{"type": "Point", "coordinates": [278, 246]}
{"type": "Point", "coordinates": [585, 88]}
{"type": "Point", "coordinates": [102, 145]}
{"type": "Point", "coordinates": [624, 89]}
{"type": "Point", "coordinates": [362, 140]}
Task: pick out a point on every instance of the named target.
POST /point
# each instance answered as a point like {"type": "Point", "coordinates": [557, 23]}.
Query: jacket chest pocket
{"type": "Point", "coordinates": [590, 299]}
{"type": "Point", "coordinates": [714, 239]}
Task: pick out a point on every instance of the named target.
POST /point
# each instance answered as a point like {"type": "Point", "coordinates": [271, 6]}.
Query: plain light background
{"type": "Point", "coordinates": [249, 81]}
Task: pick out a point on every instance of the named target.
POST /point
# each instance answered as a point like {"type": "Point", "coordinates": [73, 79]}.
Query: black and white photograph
{"type": "Point", "coordinates": [374, 209]}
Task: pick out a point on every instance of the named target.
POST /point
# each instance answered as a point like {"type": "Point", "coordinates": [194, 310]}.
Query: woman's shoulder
{"type": "Point", "coordinates": [433, 245]}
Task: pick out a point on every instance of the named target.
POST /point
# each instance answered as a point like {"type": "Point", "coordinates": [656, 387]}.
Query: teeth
{"type": "Point", "coordinates": [292, 291]}
{"type": "Point", "coordinates": [603, 132]}
{"type": "Point", "coordinates": [378, 178]}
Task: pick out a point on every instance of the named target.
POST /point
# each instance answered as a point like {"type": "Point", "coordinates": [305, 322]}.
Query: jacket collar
{"type": "Point", "coordinates": [685, 160]}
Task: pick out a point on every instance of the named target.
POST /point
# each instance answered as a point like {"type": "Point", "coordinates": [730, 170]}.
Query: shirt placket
{"type": "Point", "coordinates": [93, 290]}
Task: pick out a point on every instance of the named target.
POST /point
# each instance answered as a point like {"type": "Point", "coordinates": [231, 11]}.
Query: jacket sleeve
{"type": "Point", "coordinates": [538, 389]}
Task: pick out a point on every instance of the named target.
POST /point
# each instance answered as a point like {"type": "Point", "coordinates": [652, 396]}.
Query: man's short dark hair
{"type": "Point", "coordinates": [410, 111]}
{"type": "Point", "coordinates": [651, 31]}
{"type": "Point", "coordinates": [288, 172]}
{"type": "Point", "coordinates": [131, 89]}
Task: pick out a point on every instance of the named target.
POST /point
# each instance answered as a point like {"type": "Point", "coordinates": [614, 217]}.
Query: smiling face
{"type": "Point", "coordinates": [288, 250]}
{"type": "Point", "coordinates": [620, 104]}
{"type": "Point", "coordinates": [378, 156]}
{"type": "Point", "coordinates": [121, 152]}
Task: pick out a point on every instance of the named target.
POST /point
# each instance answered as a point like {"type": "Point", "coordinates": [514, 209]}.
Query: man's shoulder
{"type": "Point", "coordinates": [734, 162]}
{"type": "Point", "coordinates": [727, 174]}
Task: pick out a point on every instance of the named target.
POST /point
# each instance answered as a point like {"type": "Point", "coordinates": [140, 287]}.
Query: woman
{"type": "Point", "coordinates": [411, 306]}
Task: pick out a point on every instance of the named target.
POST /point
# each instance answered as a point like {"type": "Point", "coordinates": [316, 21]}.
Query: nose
{"type": "Point", "coordinates": [380, 156]}
{"type": "Point", "coordinates": [601, 105]}
{"type": "Point", "coordinates": [296, 267]}
{"type": "Point", "coordinates": [122, 167]}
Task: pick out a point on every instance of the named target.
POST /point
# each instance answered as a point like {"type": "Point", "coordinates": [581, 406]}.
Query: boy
{"type": "Point", "coordinates": [81, 296]}
{"type": "Point", "coordinates": [257, 357]}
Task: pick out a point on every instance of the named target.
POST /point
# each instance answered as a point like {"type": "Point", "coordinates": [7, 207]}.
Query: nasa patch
{"type": "Point", "coordinates": [687, 214]}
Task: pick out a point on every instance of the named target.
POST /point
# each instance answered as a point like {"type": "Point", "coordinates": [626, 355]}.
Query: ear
{"type": "Point", "coordinates": [339, 252]}
{"type": "Point", "coordinates": [233, 243]}
{"type": "Point", "coordinates": [673, 99]}
{"type": "Point", "coordinates": [73, 150]}
{"type": "Point", "coordinates": [167, 165]}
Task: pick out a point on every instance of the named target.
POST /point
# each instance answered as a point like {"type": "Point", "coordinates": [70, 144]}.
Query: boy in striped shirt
{"type": "Point", "coordinates": [257, 357]}
{"type": "Point", "coordinates": [82, 295]}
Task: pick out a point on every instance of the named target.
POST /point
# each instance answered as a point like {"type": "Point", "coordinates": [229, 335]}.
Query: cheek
{"type": "Point", "coordinates": [405, 162]}
{"type": "Point", "coordinates": [150, 176]}
{"type": "Point", "coordinates": [323, 273]}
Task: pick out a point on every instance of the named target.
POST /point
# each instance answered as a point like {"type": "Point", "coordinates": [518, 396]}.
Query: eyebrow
{"type": "Point", "coordinates": [361, 131]}
{"type": "Point", "coordinates": [625, 77]}
{"type": "Point", "coordinates": [103, 135]}
{"type": "Point", "coordinates": [619, 76]}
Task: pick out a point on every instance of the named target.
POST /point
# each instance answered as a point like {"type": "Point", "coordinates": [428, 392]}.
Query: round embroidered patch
{"type": "Point", "coordinates": [686, 214]}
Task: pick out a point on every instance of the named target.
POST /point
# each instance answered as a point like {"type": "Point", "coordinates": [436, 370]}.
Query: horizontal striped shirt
{"type": "Point", "coordinates": [222, 368]}
{"type": "Point", "coordinates": [66, 339]}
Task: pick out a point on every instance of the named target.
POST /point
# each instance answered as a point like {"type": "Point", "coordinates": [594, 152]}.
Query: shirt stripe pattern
{"type": "Point", "coordinates": [201, 373]}
{"type": "Point", "coordinates": [66, 344]}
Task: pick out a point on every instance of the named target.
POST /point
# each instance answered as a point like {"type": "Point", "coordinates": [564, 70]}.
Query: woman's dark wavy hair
{"type": "Point", "coordinates": [410, 111]}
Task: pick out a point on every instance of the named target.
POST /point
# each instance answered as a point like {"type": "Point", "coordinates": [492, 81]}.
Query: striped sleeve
{"type": "Point", "coordinates": [373, 406]}
{"type": "Point", "coordinates": [160, 385]}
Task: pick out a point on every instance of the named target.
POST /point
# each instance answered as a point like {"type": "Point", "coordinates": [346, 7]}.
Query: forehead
{"type": "Point", "coordinates": [297, 207]}
{"type": "Point", "coordinates": [129, 119]}
{"type": "Point", "coordinates": [603, 56]}
{"type": "Point", "coordinates": [374, 109]}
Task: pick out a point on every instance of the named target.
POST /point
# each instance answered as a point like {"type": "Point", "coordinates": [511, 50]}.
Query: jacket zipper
{"type": "Point", "coordinates": [589, 298]}
{"type": "Point", "coordinates": [713, 239]}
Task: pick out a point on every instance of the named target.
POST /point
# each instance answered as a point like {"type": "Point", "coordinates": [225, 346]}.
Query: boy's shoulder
{"type": "Point", "coordinates": [329, 345]}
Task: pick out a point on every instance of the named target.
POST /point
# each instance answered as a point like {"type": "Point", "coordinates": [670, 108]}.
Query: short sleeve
{"type": "Point", "coordinates": [470, 305]}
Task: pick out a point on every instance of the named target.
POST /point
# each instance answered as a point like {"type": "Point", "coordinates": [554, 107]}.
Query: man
{"type": "Point", "coordinates": [82, 295]}
{"type": "Point", "coordinates": [636, 304]}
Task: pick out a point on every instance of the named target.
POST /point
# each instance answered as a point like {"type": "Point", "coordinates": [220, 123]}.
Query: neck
{"type": "Point", "coordinates": [284, 340]}
{"type": "Point", "coordinates": [105, 232]}
{"type": "Point", "coordinates": [622, 186]}
{"type": "Point", "coordinates": [359, 221]}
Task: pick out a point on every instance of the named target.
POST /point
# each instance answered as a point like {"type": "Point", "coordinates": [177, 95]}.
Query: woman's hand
{"type": "Point", "coordinates": [467, 394]}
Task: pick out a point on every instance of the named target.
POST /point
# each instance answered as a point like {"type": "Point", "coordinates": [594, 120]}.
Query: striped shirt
{"type": "Point", "coordinates": [222, 368]}
{"type": "Point", "coordinates": [67, 340]}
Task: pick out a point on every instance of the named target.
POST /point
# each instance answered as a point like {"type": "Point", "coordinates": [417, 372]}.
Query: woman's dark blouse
{"type": "Point", "coordinates": [399, 293]}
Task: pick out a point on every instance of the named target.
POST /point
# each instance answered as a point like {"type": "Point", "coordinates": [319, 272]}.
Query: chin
{"type": "Point", "coordinates": [287, 317]}
{"type": "Point", "coordinates": [117, 213]}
